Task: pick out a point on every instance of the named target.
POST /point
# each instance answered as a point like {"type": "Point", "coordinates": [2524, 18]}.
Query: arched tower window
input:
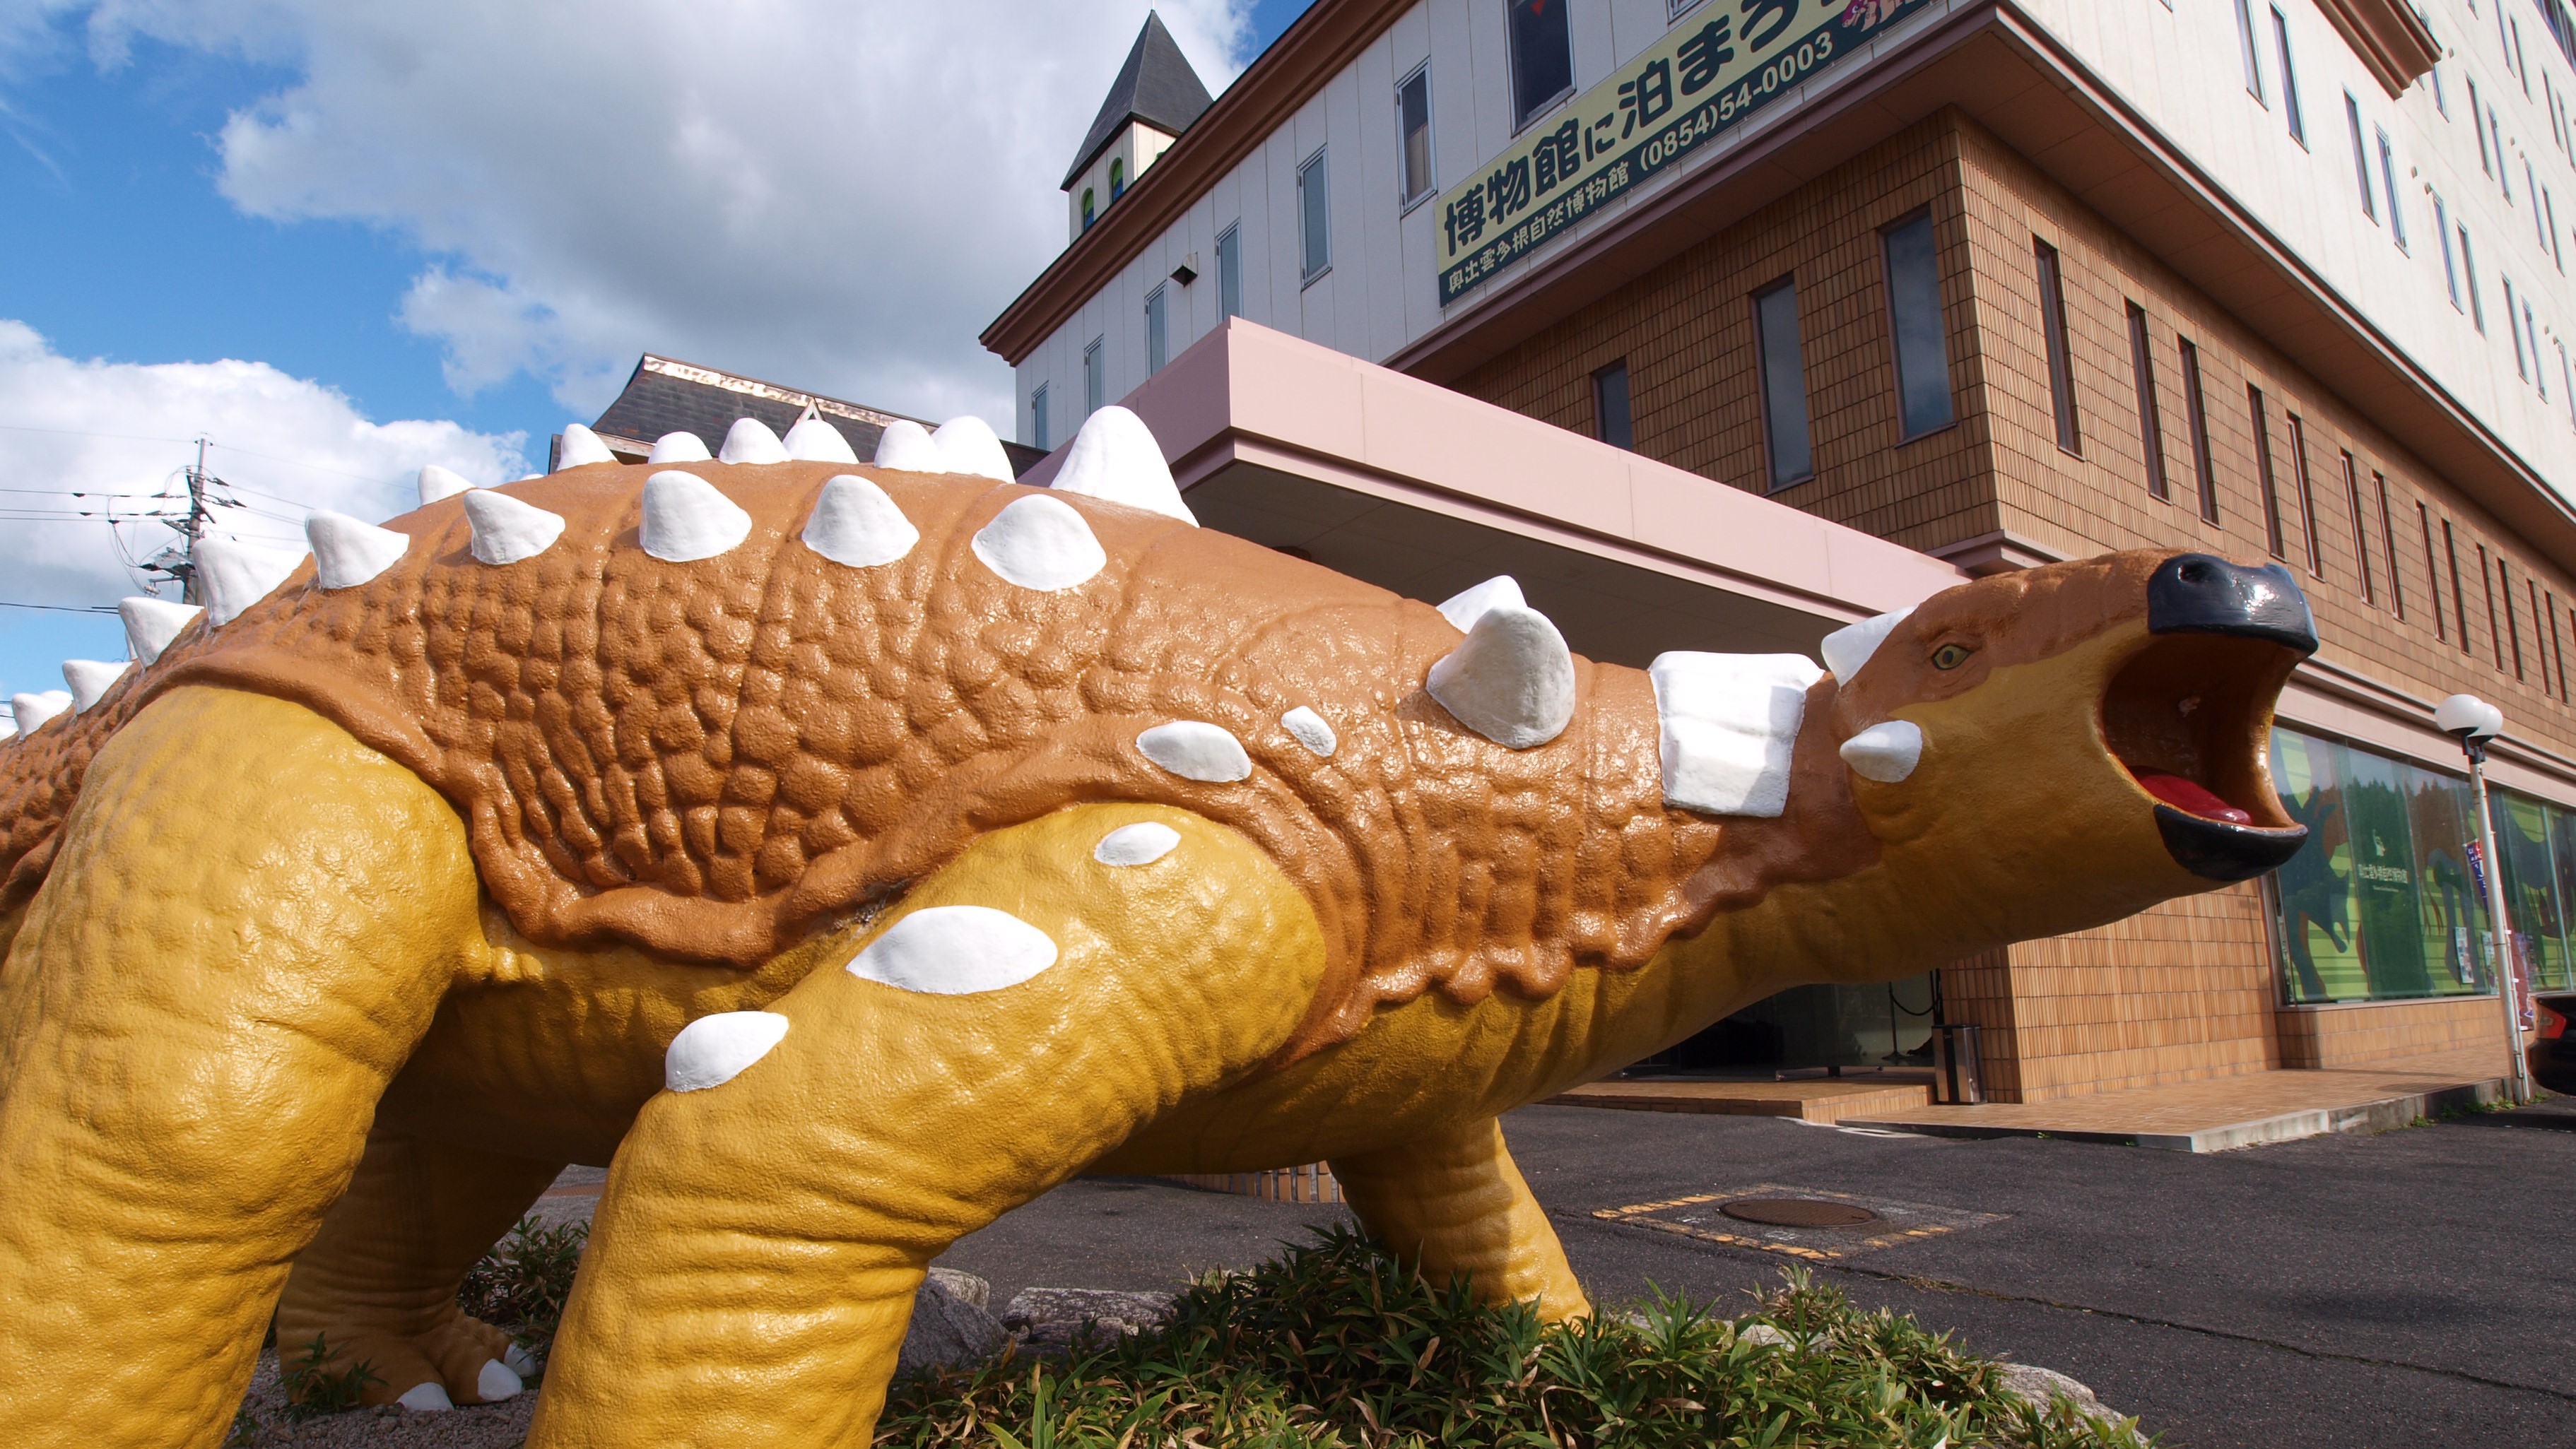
{"type": "Point", "coordinates": [1117, 177]}
{"type": "Point", "coordinates": [1086, 208]}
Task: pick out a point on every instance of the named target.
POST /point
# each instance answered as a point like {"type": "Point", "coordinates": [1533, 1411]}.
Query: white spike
{"type": "Point", "coordinates": [506, 529]}
{"type": "Point", "coordinates": [906, 445]}
{"type": "Point", "coordinates": [681, 447]}
{"type": "Point", "coordinates": [813, 440]}
{"type": "Point", "coordinates": [1115, 457]}
{"type": "Point", "coordinates": [90, 679]}
{"type": "Point", "coordinates": [1886, 752]}
{"type": "Point", "coordinates": [237, 575]}
{"type": "Point", "coordinates": [580, 448]}
{"type": "Point", "coordinates": [437, 483]}
{"type": "Point", "coordinates": [969, 445]}
{"type": "Point", "coordinates": [1848, 648]}
{"type": "Point", "coordinates": [857, 525]}
{"type": "Point", "coordinates": [1040, 543]}
{"type": "Point", "coordinates": [1730, 727]}
{"type": "Point", "coordinates": [751, 441]}
{"type": "Point", "coordinates": [32, 710]}
{"type": "Point", "coordinates": [1311, 730]}
{"type": "Point", "coordinates": [686, 519]}
{"type": "Point", "coordinates": [713, 1050]}
{"type": "Point", "coordinates": [150, 624]}
{"type": "Point", "coordinates": [1499, 592]}
{"type": "Point", "coordinates": [1511, 679]}
{"type": "Point", "coordinates": [347, 553]}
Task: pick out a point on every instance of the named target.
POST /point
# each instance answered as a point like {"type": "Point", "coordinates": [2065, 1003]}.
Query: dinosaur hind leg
{"type": "Point", "coordinates": [378, 1283]}
{"type": "Point", "coordinates": [755, 1254]}
{"type": "Point", "coordinates": [1454, 1203]}
{"type": "Point", "coordinates": [247, 929]}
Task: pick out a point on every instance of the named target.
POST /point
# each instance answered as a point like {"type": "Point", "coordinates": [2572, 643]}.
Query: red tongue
{"type": "Point", "coordinates": [2190, 796]}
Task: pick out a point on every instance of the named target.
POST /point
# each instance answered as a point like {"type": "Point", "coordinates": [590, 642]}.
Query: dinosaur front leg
{"type": "Point", "coordinates": [378, 1282]}
{"type": "Point", "coordinates": [249, 925]}
{"type": "Point", "coordinates": [756, 1250]}
{"type": "Point", "coordinates": [1454, 1203]}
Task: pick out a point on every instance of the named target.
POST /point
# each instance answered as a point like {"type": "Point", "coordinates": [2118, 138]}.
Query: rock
{"type": "Point", "coordinates": [1048, 1318]}
{"type": "Point", "coordinates": [1763, 1335]}
{"type": "Point", "coordinates": [2043, 1387]}
{"type": "Point", "coordinates": [950, 1328]}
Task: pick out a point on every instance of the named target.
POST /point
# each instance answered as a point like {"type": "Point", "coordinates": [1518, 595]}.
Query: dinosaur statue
{"type": "Point", "coordinates": [848, 854]}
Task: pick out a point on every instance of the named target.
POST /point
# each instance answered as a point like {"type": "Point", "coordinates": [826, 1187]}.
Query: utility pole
{"type": "Point", "coordinates": [194, 529]}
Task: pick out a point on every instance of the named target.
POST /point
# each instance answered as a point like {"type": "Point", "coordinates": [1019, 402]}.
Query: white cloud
{"type": "Point", "coordinates": [116, 434]}
{"type": "Point", "coordinates": [830, 194]}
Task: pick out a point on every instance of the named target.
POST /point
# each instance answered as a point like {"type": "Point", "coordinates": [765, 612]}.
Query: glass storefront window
{"type": "Point", "coordinates": [2380, 905]}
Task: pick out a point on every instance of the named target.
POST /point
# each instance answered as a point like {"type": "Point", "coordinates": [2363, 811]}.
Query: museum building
{"type": "Point", "coordinates": [1722, 323]}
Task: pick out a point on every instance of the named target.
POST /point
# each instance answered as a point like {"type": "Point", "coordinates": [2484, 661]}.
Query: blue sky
{"type": "Point", "coordinates": [136, 235]}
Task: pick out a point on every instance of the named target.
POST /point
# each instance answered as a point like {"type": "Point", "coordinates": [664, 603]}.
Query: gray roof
{"type": "Point", "coordinates": [1155, 86]}
{"type": "Point", "coordinates": [668, 396]}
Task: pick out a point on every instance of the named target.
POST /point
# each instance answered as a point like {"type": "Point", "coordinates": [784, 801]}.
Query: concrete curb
{"type": "Point", "coordinates": [2383, 1115]}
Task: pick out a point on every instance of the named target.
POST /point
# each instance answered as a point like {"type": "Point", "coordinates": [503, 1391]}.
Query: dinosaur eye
{"type": "Point", "coordinates": [1951, 656]}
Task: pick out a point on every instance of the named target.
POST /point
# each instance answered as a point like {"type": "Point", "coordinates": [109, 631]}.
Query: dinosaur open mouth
{"type": "Point", "coordinates": [2189, 719]}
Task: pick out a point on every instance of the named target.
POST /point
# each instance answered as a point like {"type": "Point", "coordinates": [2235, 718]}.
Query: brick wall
{"type": "Point", "coordinates": [2344, 1036]}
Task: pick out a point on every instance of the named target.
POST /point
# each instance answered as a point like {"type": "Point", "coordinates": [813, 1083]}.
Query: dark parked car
{"type": "Point", "coordinates": [2550, 1047]}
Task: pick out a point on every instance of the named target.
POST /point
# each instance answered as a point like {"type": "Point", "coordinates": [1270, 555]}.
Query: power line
{"type": "Point", "coordinates": [61, 608]}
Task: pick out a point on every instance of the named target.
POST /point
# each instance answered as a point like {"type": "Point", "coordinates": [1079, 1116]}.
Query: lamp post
{"type": "Point", "coordinates": [2472, 721]}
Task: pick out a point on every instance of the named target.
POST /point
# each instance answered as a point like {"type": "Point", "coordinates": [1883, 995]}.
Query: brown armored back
{"type": "Point", "coordinates": [711, 758]}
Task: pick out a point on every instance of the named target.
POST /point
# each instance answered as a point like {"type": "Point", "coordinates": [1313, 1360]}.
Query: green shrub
{"type": "Point", "coordinates": [1337, 1344]}
{"type": "Point", "coordinates": [314, 1389]}
{"type": "Point", "coordinates": [522, 1284]}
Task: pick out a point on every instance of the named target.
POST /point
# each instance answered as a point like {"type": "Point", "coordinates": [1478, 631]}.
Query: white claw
{"type": "Point", "coordinates": [150, 624]}
{"type": "Point", "coordinates": [1886, 752]}
{"type": "Point", "coordinates": [521, 1362]}
{"type": "Point", "coordinates": [1115, 457]}
{"type": "Point", "coordinates": [906, 446]}
{"type": "Point", "coordinates": [580, 448]}
{"type": "Point", "coordinates": [682, 447]}
{"type": "Point", "coordinates": [32, 710]}
{"type": "Point", "coordinates": [1511, 679]}
{"type": "Point", "coordinates": [507, 530]}
{"type": "Point", "coordinates": [855, 524]}
{"type": "Point", "coordinates": [237, 575]}
{"type": "Point", "coordinates": [1848, 648]}
{"type": "Point", "coordinates": [751, 441]}
{"type": "Point", "coordinates": [686, 519]}
{"type": "Point", "coordinates": [437, 483]}
{"type": "Point", "coordinates": [813, 440]}
{"type": "Point", "coordinates": [1465, 608]}
{"type": "Point", "coordinates": [430, 1398]}
{"type": "Point", "coordinates": [969, 445]}
{"type": "Point", "coordinates": [497, 1381]}
{"type": "Point", "coordinates": [347, 553]}
{"type": "Point", "coordinates": [90, 679]}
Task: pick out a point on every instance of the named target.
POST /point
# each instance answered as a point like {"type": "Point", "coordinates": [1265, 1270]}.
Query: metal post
{"type": "Point", "coordinates": [2500, 930]}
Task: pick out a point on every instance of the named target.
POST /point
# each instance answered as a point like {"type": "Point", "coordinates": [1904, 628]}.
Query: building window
{"type": "Point", "coordinates": [1542, 57]}
{"type": "Point", "coordinates": [2459, 598]}
{"type": "Point", "coordinates": [2195, 408]}
{"type": "Point", "coordinates": [1610, 406]}
{"type": "Point", "coordinates": [2531, 329]}
{"type": "Point", "coordinates": [1414, 179]}
{"type": "Point", "coordinates": [2441, 101]}
{"type": "Point", "coordinates": [1921, 341]}
{"type": "Point", "coordinates": [2360, 157]}
{"type": "Point", "coordinates": [1229, 271]}
{"type": "Point", "coordinates": [2388, 548]}
{"type": "Point", "coordinates": [2245, 43]}
{"type": "Point", "coordinates": [2495, 630]}
{"type": "Point", "coordinates": [1038, 419]}
{"type": "Point", "coordinates": [1315, 218]}
{"type": "Point", "coordinates": [2477, 130]}
{"type": "Point", "coordinates": [2272, 533]}
{"type": "Point", "coordinates": [1094, 381]}
{"type": "Point", "coordinates": [2388, 182]}
{"type": "Point", "coordinates": [1158, 333]}
{"type": "Point", "coordinates": [1784, 384]}
{"type": "Point", "coordinates": [2531, 188]}
{"type": "Point", "coordinates": [2469, 279]}
{"type": "Point", "coordinates": [2557, 648]}
{"type": "Point", "coordinates": [2151, 428]}
{"type": "Point", "coordinates": [1087, 213]}
{"type": "Point", "coordinates": [2360, 529]}
{"type": "Point", "coordinates": [2549, 210]}
{"type": "Point", "coordinates": [2512, 625]}
{"type": "Point", "coordinates": [2289, 79]}
{"type": "Point", "coordinates": [2566, 383]}
{"type": "Point", "coordinates": [2052, 320]}
{"type": "Point", "coordinates": [1117, 177]}
{"type": "Point", "coordinates": [2495, 138]}
{"type": "Point", "coordinates": [2432, 571]}
{"type": "Point", "coordinates": [2307, 495]}
{"type": "Point", "coordinates": [2521, 369]}
{"type": "Point", "coordinates": [2450, 265]}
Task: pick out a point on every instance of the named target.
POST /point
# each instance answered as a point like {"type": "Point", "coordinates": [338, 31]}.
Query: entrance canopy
{"type": "Point", "coordinates": [1425, 491]}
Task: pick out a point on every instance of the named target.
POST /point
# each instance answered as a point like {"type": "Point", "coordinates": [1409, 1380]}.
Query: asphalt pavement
{"type": "Point", "coordinates": [2401, 1289]}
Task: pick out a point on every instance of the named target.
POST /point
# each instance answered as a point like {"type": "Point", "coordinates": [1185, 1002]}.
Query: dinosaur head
{"type": "Point", "coordinates": [2056, 748]}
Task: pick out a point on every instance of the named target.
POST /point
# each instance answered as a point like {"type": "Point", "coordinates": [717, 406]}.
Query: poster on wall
{"type": "Point", "coordinates": [1723, 62]}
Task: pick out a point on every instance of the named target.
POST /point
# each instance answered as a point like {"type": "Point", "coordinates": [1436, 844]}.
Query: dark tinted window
{"type": "Point", "coordinates": [1610, 405]}
{"type": "Point", "coordinates": [1542, 56]}
{"type": "Point", "coordinates": [1922, 342]}
{"type": "Point", "coordinates": [1784, 384]}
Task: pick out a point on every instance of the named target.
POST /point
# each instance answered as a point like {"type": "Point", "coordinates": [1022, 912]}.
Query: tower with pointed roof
{"type": "Point", "coordinates": [1154, 99]}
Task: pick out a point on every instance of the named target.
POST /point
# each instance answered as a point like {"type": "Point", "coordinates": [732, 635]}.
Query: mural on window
{"type": "Point", "coordinates": [2381, 905]}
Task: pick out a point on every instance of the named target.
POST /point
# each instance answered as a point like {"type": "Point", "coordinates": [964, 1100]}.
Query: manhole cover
{"type": "Point", "coordinates": [1797, 1212]}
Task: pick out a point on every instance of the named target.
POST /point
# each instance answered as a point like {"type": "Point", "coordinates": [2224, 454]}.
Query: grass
{"type": "Point", "coordinates": [1335, 1344]}
{"type": "Point", "coordinates": [522, 1284]}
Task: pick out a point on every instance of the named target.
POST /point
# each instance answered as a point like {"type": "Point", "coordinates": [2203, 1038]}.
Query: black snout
{"type": "Point", "coordinates": [2198, 593]}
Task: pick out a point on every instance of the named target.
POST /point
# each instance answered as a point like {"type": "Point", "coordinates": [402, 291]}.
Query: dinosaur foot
{"type": "Point", "coordinates": [459, 1361]}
